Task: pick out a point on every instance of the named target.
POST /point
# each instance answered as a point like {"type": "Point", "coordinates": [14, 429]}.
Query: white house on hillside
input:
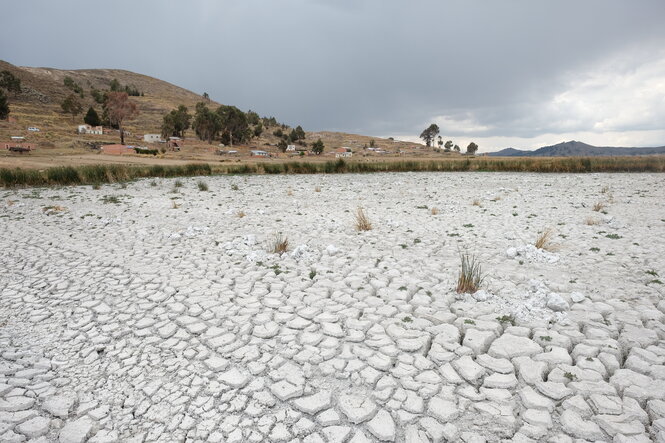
{"type": "Point", "coordinates": [153, 138]}
{"type": "Point", "coordinates": [87, 129]}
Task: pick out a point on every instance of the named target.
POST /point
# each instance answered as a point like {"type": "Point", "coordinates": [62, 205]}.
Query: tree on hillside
{"type": "Point", "coordinates": [206, 97]}
{"type": "Point", "coordinates": [282, 145]}
{"type": "Point", "coordinates": [71, 105]}
{"type": "Point", "coordinates": [4, 106]}
{"type": "Point", "coordinates": [207, 124]}
{"type": "Point", "coordinates": [176, 122]}
{"type": "Point", "coordinates": [235, 128]}
{"type": "Point", "coordinates": [448, 146]}
{"type": "Point", "coordinates": [10, 82]}
{"type": "Point", "coordinates": [429, 134]}
{"type": "Point", "coordinates": [472, 148]}
{"type": "Point", "coordinates": [120, 108]}
{"type": "Point", "coordinates": [300, 133]}
{"type": "Point", "coordinates": [317, 147]}
{"type": "Point", "coordinates": [456, 148]}
{"type": "Point", "coordinates": [439, 142]}
{"type": "Point", "coordinates": [258, 130]}
{"type": "Point", "coordinates": [92, 118]}
{"type": "Point", "coordinates": [115, 85]}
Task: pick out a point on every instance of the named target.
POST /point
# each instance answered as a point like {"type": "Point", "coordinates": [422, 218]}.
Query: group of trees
{"type": "Point", "coordinates": [131, 90]}
{"type": "Point", "coordinates": [431, 133]}
{"type": "Point", "coordinates": [176, 122]}
{"type": "Point", "coordinates": [10, 83]}
{"type": "Point", "coordinates": [227, 123]}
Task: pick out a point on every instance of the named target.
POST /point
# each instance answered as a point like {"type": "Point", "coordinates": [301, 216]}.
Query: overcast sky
{"type": "Point", "coordinates": [511, 73]}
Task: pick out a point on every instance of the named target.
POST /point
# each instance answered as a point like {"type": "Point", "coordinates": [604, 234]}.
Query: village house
{"type": "Point", "coordinates": [19, 147]}
{"type": "Point", "coordinates": [343, 152]}
{"type": "Point", "coordinates": [291, 148]}
{"type": "Point", "coordinates": [256, 153]}
{"type": "Point", "coordinates": [87, 129]}
{"type": "Point", "coordinates": [117, 149]}
{"type": "Point", "coordinates": [153, 138]}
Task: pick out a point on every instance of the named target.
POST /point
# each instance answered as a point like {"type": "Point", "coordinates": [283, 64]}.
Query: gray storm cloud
{"type": "Point", "coordinates": [519, 68]}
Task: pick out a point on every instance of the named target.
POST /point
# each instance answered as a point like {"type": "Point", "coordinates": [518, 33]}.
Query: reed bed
{"type": "Point", "coordinates": [97, 174]}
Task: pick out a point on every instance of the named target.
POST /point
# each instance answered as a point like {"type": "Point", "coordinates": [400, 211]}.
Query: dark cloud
{"type": "Point", "coordinates": [372, 66]}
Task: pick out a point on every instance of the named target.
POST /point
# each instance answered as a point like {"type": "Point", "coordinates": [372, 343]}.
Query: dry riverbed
{"type": "Point", "coordinates": [153, 312]}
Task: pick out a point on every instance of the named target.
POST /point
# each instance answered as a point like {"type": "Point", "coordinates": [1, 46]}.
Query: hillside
{"type": "Point", "coordinates": [577, 149]}
{"type": "Point", "coordinates": [43, 90]}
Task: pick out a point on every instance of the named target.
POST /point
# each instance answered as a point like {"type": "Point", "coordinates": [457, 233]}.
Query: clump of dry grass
{"type": "Point", "coordinates": [11, 202]}
{"type": "Point", "coordinates": [289, 192]}
{"type": "Point", "coordinates": [476, 202]}
{"type": "Point", "coordinates": [240, 214]}
{"type": "Point", "coordinates": [605, 189]}
{"type": "Point", "coordinates": [434, 211]}
{"type": "Point", "coordinates": [362, 221]}
{"type": "Point", "coordinates": [591, 221]}
{"type": "Point", "coordinates": [470, 276]}
{"type": "Point", "coordinates": [53, 209]}
{"type": "Point", "coordinates": [317, 189]}
{"type": "Point", "coordinates": [279, 244]}
{"type": "Point", "coordinates": [497, 198]}
{"type": "Point", "coordinates": [599, 206]}
{"type": "Point", "coordinates": [175, 205]}
{"type": "Point", "coordinates": [544, 240]}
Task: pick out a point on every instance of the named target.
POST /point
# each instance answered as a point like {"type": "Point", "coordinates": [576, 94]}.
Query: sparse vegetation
{"type": "Point", "coordinates": [591, 221]}
{"type": "Point", "coordinates": [362, 222]}
{"type": "Point", "coordinates": [240, 214]}
{"type": "Point", "coordinates": [599, 206]}
{"type": "Point", "coordinates": [278, 244]}
{"type": "Point", "coordinates": [110, 199]}
{"type": "Point", "coordinates": [317, 189]}
{"type": "Point", "coordinates": [476, 202]}
{"type": "Point", "coordinates": [613, 236]}
{"type": "Point", "coordinates": [203, 186]}
{"type": "Point", "coordinates": [470, 276]}
{"type": "Point", "coordinates": [434, 211]}
{"type": "Point", "coordinates": [506, 318]}
{"type": "Point", "coordinates": [544, 240]}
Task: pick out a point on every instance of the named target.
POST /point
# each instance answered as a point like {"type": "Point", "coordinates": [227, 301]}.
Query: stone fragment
{"type": "Point", "coordinates": [575, 426]}
{"type": "Point", "coordinates": [444, 410]}
{"type": "Point", "coordinates": [35, 427]}
{"type": "Point", "coordinates": [357, 408]}
{"type": "Point", "coordinates": [382, 426]}
{"type": "Point", "coordinates": [315, 403]}
{"type": "Point", "coordinates": [511, 346]}
{"type": "Point", "coordinates": [76, 431]}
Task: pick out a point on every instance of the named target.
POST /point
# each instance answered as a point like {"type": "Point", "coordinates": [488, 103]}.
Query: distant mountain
{"type": "Point", "coordinates": [576, 149]}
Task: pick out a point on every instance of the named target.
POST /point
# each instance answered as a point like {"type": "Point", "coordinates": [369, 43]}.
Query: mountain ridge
{"type": "Point", "coordinates": [575, 148]}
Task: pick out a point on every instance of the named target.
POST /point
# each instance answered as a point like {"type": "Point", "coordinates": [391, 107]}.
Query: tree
{"type": "Point", "coordinates": [4, 106]}
{"type": "Point", "coordinates": [372, 143]}
{"type": "Point", "coordinates": [207, 124]}
{"type": "Point", "coordinates": [277, 132]}
{"type": "Point", "coordinates": [448, 146]}
{"type": "Point", "coordinates": [317, 147]}
{"type": "Point", "coordinates": [300, 134]}
{"type": "Point", "coordinates": [10, 82]}
{"type": "Point", "coordinates": [440, 142]}
{"type": "Point", "coordinates": [258, 130]}
{"type": "Point", "coordinates": [456, 148]}
{"type": "Point", "coordinates": [472, 148]}
{"type": "Point", "coordinates": [120, 108]}
{"type": "Point", "coordinates": [234, 124]}
{"type": "Point", "coordinates": [71, 105]}
{"type": "Point", "coordinates": [206, 97]}
{"type": "Point", "coordinates": [176, 122]}
{"type": "Point", "coordinates": [115, 85]}
{"type": "Point", "coordinates": [92, 118]}
{"type": "Point", "coordinates": [282, 145]}
{"type": "Point", "coordinates": [429, 134]}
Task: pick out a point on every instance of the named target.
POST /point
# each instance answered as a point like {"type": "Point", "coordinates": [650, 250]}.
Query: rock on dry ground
{"type": "Point", "coordinates": [124, 317]}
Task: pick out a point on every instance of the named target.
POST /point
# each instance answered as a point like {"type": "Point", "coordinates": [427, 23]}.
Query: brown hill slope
{"type": "Point", "coordinates": [43, 90]}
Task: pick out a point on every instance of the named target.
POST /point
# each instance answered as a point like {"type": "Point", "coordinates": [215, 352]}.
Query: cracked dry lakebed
{"type": "Point", "coordinates": [153, 311]}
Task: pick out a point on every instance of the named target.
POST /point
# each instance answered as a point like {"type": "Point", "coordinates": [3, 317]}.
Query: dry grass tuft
{"type": "Point", "coordinates": [592, 221]}
{"type": "Point", "coordinates": [53, 209]}
{"type": "Point", "coordinates": [240, 214]}
{"type": "Point", "coordinates": [175, 205]}
{"type": "Point", "coordinates": [362, 221]}
{"type": "Point", "coordinates": [434, 211]}
{"type": "Point", "coordinates": [471, 275]}
{"type": "Point", "coordinates": [11, 202]}
{"type": "Point", "coordinates": [289, 192]}
{"type": "Point", "coordinates": [317, 189]}
{"type": "Point", "coordinates": [279, 244]}
{"type": "Point", "coordinates": [544, 240]}
{"type": "Point", "coordinates": [599, 206]}
{"type": "Point", "coordinates": [605, 189]}
{"type": "Point", "coordinates": [476, 202]}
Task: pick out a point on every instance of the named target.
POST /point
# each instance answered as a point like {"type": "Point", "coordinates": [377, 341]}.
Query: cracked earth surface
{"type": "Point", "coordinates": [145, 320]}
